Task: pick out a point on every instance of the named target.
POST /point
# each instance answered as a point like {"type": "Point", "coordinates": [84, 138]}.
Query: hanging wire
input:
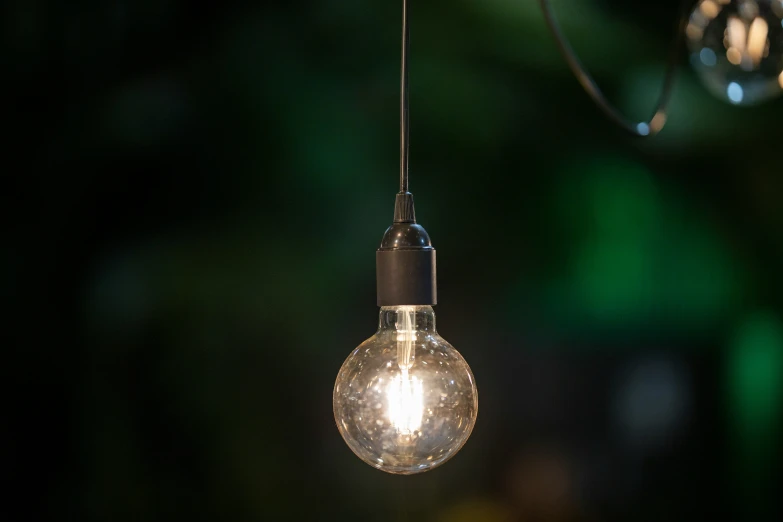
{"type": "Point", "coordinates": [642, 129]}
{"type": "Point", "coordinates": [404, 103]}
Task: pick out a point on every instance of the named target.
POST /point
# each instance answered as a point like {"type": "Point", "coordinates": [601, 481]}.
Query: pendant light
{"type": "Point", "coordinates": [405, 401]}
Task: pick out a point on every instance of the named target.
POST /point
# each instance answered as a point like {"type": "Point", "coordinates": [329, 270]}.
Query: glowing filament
{"type": "Point", "coordinates": [406, 403]}
{"type": "Point", "coordinates": [406, 397]}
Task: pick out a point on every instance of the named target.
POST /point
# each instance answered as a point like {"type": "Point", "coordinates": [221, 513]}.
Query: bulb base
{"type": "Point", "coordinates": [406, 277]}
{"type": "Point", "coordinates": [405, 263]}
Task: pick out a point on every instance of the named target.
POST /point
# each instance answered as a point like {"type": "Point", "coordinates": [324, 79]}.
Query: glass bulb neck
{"type": "Point", "coordinates": [396, 318]}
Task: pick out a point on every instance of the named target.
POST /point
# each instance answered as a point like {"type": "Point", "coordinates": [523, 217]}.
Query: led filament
{"type": "Point", "coordinates": [406, 396]}
{"type": "Point", "coordinates": [406, 403]}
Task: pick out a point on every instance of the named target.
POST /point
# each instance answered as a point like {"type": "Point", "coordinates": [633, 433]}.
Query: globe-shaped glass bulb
{"type": "Point", "coordinates": [405, 400]}
{"type": "Point", "coordinates": [736, 48]}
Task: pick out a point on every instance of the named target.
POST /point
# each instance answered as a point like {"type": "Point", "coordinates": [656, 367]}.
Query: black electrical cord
{"type": "Point", "coordinates": [658, 119]}
{"type": "Point", "coordinates": [405, 266]}
{"type": "Point", "coordinates": [404, 103]}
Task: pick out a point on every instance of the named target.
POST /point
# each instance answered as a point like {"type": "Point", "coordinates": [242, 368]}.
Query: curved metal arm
{"type": "Point", "coordinates": [658, 119]}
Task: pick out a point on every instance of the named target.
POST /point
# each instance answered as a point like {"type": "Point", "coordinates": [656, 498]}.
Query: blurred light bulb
{"type": "Point", "coordinates": [737, 48]}
{"type": "Point", "coordinates": [405, 400]}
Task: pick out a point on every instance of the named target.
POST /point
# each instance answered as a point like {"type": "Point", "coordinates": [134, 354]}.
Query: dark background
{"type": "Point", "coordinates": [193, 194]}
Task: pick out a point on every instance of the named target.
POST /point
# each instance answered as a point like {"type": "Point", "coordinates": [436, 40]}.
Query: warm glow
{"type": "Point", "coordinates": [746, 45]}
{"type": "Point", "coordinates": [780, 80]}
{"type": "Point", "coordinates": [757, 39]}
{"type": "Point", "coordinates": [709, 8]}
{"type": "Point", "coordinates": [658, 121]}
{"type": "Point", "coordinates": [406, 403]}
{"type": "Point", "coordinates": [736, 34]}
{"type": "Point", "coordinates": [406, 398]}
{"type": "Point", "coordinates": [734, 56]}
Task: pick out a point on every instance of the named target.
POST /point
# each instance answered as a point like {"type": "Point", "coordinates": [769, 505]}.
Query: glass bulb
{"type": "Point", "coordinates": [736, 48]}
{"type": "Point", "coordinates": [405, 400]}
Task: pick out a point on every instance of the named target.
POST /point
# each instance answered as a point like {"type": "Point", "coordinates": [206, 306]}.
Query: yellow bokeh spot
{"type": "Point", "coordinates": [734, 56]}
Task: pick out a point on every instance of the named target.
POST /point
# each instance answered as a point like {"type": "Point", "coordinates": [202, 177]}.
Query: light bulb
{"type": "Point", "coordinates": [736, 48]}
{"type": "Point", "coordinates": [405, 400]}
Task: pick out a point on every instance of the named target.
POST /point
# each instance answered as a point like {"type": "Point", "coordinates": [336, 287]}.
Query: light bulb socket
{"type": "Point", "coordinates": [405, 262]}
